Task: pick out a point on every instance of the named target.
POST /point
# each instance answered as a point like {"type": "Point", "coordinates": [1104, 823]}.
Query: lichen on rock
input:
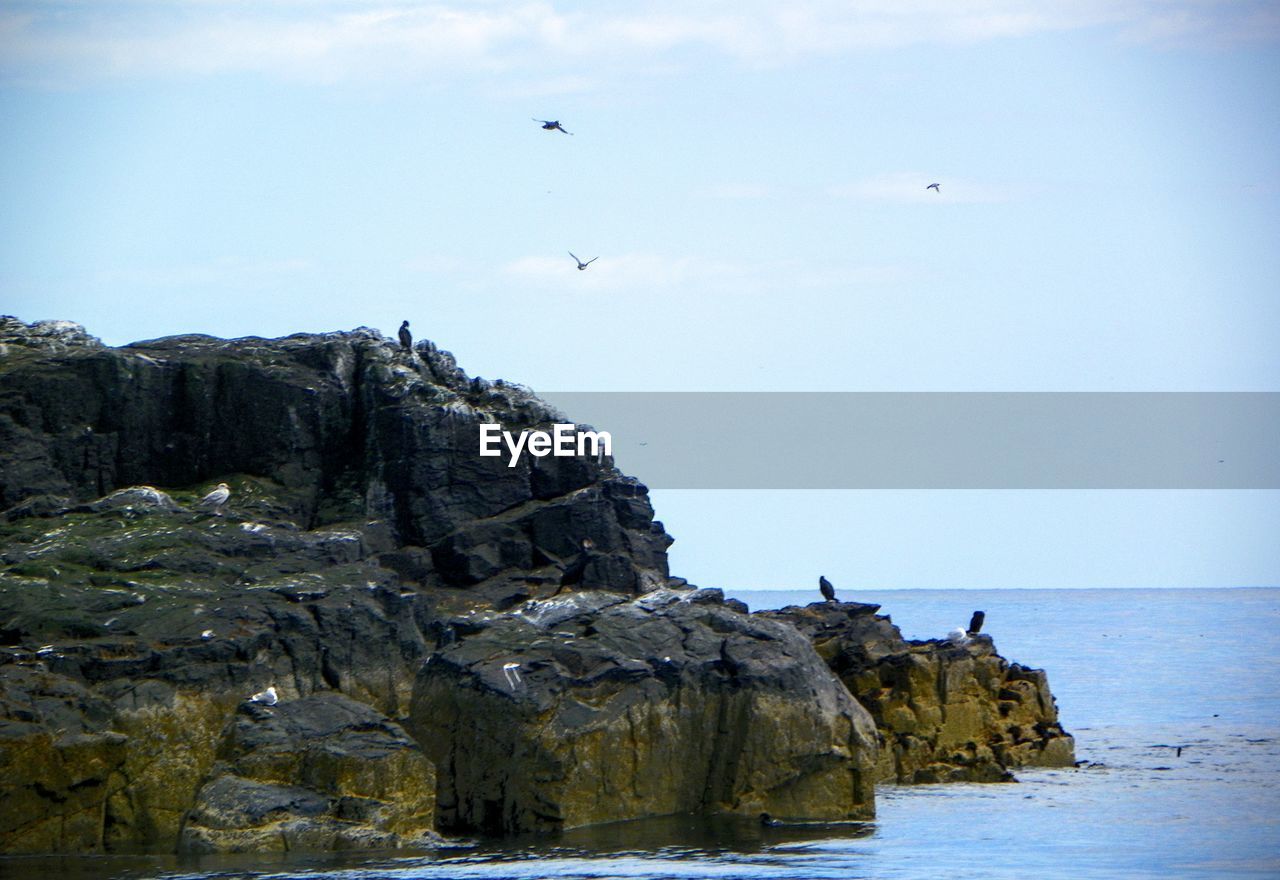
{"type": "Point", "coordinates": [593, 708]}
{"type": "Point", "coordinates": [946, 712]}
{"type": "Point", "coordinates": [402, 595]}
{"type": "Point", "coordinates": [320, 773]}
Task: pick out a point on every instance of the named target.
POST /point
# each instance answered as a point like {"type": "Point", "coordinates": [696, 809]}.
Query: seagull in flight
{"type": "Point", "coordinates": [934, 186]}
{"type": "Point", "coordinates": [552, 125]}
{"type": "Point", "coordinates": [582, 265]}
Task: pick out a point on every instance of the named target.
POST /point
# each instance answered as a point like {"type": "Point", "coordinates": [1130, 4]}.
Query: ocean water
{"type": "Point", "coordinates": [1137, 673]}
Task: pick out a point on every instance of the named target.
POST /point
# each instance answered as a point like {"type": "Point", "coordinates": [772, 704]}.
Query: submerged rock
{"type": "Point", "coordinates": [948, 710]}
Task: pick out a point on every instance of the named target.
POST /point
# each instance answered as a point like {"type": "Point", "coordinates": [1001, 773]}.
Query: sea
{"type": "Point", "coordinates": [1138, 675]}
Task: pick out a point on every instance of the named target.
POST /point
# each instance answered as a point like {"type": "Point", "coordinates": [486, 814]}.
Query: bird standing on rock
{"type": "Point", "coordinates": [975, 622]}
{"type": "Point", "coordinates": [266, 698]}
{"type": "Point", "coordinates": [406, 338]}
{"type": "Point", "coordinates": [574, 571]}
{"type": "Point", "coordinates": [828, 591]}
{"type": "Point", "coordinates": [217, 499]}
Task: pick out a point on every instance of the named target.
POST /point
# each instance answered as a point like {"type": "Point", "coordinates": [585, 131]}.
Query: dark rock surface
{"type": "Point", "coordinates": [591, 708]}
{"type": "Point", "coordinates": [346, 426]}
{"type": "Point", "coordinates": [320, 773]}
{"type": "Point", "coordinates": [947, 711]}
{"type": "Point", "coordinates": [359, 514]}
{"type": "Point", "coordinates": [399, 593]}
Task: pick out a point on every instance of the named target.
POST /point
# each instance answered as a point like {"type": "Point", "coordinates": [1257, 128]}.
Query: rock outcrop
{"type": "Point", "coordinates": [589, 708]}
{"type": "Point", "coordinates": [947, 711]}
{"type": "Point", "coordinates": [399, 594]}
{"type": "Point", "coordinates": [320, 773]}
{"type": "Point", "coordinates": [133, 621]}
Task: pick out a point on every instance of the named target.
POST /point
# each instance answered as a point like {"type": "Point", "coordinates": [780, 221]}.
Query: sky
{"type": "Point", "coordinates": [752, 177]}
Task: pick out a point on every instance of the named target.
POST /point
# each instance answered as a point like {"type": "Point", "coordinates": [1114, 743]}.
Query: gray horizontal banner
{"type": "Point", "coordinates": [935, 440]}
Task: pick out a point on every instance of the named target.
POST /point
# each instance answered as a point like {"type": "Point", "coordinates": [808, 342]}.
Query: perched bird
{"type": "Point", "coordinates": [582, 265]}
{"type": "Point", "coordinates": [552, 125]}
{"type": "Point", "coordinates": [574, 571]}
{"type": "Point", "coordinates": [958, 637]}
{"type": "Point", "coordinates": [217, 499]}
{"type": "Point", "coordinates": [406, 338]}
{"type": "Point", "coordinates": [828, 591]}
{"type": "Point", "coordinates": [975, 622]}
{"type": "Point", "coordinates": [266, 698]}
{"type": "Point", "coordinates": [934, 187]}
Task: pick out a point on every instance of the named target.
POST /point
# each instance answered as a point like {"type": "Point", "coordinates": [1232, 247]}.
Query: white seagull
{"type": "Point", "coordinates": [582, 265]}
{"type": "Point", "coordinates": [266, 698]}
{"type": "Point", "coordinates": [217, 499]}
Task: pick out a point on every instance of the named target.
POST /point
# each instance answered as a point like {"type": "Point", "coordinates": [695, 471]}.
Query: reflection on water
{"type": "Point", "coordinates": [665, 846]}
{"type": "Point", "coordinates": [692, 834]}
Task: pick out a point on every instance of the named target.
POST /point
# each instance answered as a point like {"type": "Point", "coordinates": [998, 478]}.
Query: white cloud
{"type": "Point", "coordinates": [912, 187]}
{"type": "Point", "coordinates": [739, 191]}
{"type": "Point", "coordinates": [224, 271]}
{"type": "Point", "coordinates": [340, 39]}
{"type": "Point", "coordinates": [620, 271]}
{"type": "Point", "coordinates": [657, 273]}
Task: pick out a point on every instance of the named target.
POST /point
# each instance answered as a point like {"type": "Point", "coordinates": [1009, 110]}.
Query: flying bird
{"type": "Point", "coordinates": [552, 125]}
{"type": "Point", "coordinates": [217, 499]}
{"type": "Point", "coordinates": [406, 338]}
{"type": "Point", "coordinates": [266, 698]}
{"type": "Point", "coordinates": [828, 591]}
{"type": "Point", "coordinates": [975, 622]}
{"type": "Point", "coordinates": [934, 186]}
{"type": "Point", "coordinates": [582, 265]}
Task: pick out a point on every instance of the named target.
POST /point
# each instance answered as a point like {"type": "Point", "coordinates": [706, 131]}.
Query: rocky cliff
{"type": "Point", "coordinates": [948, 710]}
{"type": "Point", "coordinates": [400, 597]}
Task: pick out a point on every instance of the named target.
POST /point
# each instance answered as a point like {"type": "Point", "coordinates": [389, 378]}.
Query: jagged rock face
{"type": "Point", "coordinates": [320, 773]}
{"type": "Point", "coordinates": [589, 708]}
{"type": "Point", "coordinates": [367, 550]}
{"type": "Point", "coordinates": [348, 424]}
{"type": "Point", "coordinates": [946, 712]}
{"type": "Point", "coordinates": [104, 740]}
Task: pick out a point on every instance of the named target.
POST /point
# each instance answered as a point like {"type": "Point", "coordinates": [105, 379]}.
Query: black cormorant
{"type": "Point", "coordinates": [574, 571]}
{"type": "Point", "coordinates": [828, 591]}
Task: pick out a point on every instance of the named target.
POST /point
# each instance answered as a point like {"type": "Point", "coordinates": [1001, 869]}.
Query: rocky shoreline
{"type": "Point", "coordinates": [401, 596]}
